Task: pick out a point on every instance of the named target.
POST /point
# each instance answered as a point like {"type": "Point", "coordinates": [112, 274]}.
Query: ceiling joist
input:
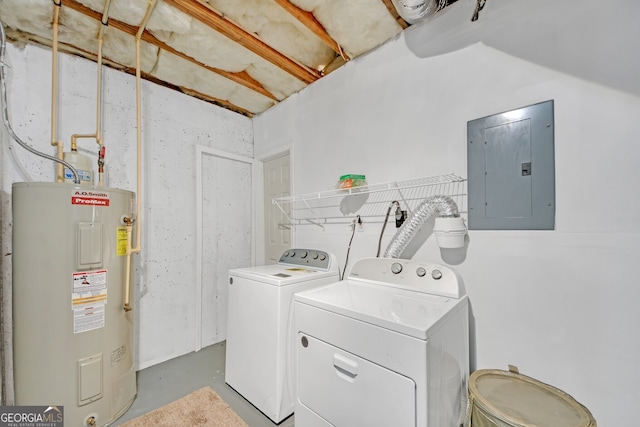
{"type": "Point", "coordinates": [310, 21]}
{"type": "Point", "coordinates": [392, 10]}
{"type": "Point", "coordinates": [244, 73]}
{"type": "Point", "coordinates": [217, 21]}
{"type": "Point", "coordinates": [241, 78]}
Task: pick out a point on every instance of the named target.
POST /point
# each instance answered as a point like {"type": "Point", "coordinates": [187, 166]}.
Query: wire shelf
{"type": "Point", "coordinates": [340, 206]}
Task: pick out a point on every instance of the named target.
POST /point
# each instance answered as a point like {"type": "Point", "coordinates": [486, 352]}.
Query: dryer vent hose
{"type": "Point", "coordinates": [441, 206]}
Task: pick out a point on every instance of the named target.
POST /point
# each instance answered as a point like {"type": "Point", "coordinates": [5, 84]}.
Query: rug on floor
{"type": "Point", "coordinates": [201, 408]}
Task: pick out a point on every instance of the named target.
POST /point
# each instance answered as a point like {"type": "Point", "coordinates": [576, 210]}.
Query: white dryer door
{"type": "Point", "coordinates": [347, 390]}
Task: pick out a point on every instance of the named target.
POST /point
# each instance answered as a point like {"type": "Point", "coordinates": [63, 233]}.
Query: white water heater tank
{"type": "Point", "coordinates": [73, 341]}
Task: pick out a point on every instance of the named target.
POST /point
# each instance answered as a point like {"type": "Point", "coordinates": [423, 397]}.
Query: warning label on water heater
{"type": "Point", "coordinates": [88, 300]}
{"type": "Point", "coordinates": [90, 198]}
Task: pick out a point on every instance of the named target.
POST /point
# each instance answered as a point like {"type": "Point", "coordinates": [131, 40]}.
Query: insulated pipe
{"type": "Point", "coordinates": [105, 20]}
{"type": "Point", "coordinates": [5, 112]}
{"type": "Point", "coordinates": [143, 24]}
{"type": "Point", "coordinates": [97, 135]}
{"type": "Point", "coordinates": [54, 93]}
{"type": "Point", "coordinates": [98, 109]}
{"type": "Point", "coordinates": [75, 136]}
{"type": "Point", "coordinates": [127, 268]}
{"type": "Point", "coordinates": [129, 221]}
{"type": "Point", "coordinates": [442, 206]}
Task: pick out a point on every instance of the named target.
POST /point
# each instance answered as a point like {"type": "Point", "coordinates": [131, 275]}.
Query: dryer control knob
{"type": "Point", "coordinates": [436, 274]}
{"type": "Point", "coordinates": [396, 268]}
{"type": "Point", "coordinates": [421, 272]}
{"type": "Point", "coordinates": [323, 257]}
{"type": "Point", "coordinates": [315, 255]}
{"type": "Point", "coordinates": [303, 254]}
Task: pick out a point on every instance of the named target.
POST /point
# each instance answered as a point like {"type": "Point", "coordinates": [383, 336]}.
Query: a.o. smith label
{"type": "Point", "coordinates": [90, 198]}
{"type": "Point", "coordinates": [31, 416]}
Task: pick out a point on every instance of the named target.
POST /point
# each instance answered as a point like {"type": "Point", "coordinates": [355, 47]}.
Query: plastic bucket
{"type": "Point", "coordinates": [509, 399]}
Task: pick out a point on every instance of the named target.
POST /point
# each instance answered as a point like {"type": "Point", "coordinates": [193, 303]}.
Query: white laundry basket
{"type": "Point", "coordinates": [509, 399]}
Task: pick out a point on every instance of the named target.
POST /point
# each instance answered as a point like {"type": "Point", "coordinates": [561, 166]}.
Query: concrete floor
{"type": "Point", "coordinates": [175, 378]}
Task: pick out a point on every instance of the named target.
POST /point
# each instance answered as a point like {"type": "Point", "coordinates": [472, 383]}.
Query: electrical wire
{"type": "Point", "coordinates": [5, 111]}
{"type": "Point", "coordinates": [353, 232]}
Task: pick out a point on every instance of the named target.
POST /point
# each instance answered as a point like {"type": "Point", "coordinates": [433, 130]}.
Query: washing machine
{"type": "Point", "coordinates": [260, 334]}
{"type": "Point", "coordinates": [388, 346]}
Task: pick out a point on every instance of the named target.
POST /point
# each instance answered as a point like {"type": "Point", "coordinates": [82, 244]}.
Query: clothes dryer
{"type": "Point", "coordinates": [388, 346]}
{"type": "Point", "coordinates": [260, 334]}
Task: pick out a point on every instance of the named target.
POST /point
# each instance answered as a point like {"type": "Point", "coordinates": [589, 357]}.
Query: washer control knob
{"type": "Point", "coordinates": [436, 274]}
{"type": "Point", "coordinates": [303, 254]}
{"type": "Point", "coordinates": [421, 272]}
{"type": "Point", "coordinates": [323, 257]}
{"type": "Point", "coordinates": [315, 255]}
{"type": "Point", "coordinates": [292, 253]}
{"type": "Point", "coordinates": [396, 268]}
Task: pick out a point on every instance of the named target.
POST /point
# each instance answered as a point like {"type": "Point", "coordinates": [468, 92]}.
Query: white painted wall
{"type": "Point", "coordinates": [173, 125]}
{"type": "Point", "coordinates": [562, 304]}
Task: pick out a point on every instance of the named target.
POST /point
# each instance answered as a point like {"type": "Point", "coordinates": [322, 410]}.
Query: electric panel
{"type": "Point", "coordinates": [511, 170]}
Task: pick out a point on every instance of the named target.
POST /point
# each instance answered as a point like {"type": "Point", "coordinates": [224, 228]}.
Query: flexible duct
{"type": "Point", "coordinates": [414, 10]}
{"type": "Point", "coordinates": [442, 206]}
{"type": "Point", "coordinates": [5, 113]}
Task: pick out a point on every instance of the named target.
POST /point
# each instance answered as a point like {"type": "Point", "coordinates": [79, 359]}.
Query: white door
{"type": "Point", "coordinates": [276, 184]}
{"type": "Point", "coordinates": [224, 238]}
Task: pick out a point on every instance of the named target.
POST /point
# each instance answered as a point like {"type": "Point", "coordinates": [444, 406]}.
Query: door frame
{"type": "Point", "coordinates": [256, 171]}
{"type": "Point", "coordinates": [260, 240]}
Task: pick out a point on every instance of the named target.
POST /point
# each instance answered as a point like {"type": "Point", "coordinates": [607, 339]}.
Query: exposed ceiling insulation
{"type": "Point", "coordinates": [244, 55]}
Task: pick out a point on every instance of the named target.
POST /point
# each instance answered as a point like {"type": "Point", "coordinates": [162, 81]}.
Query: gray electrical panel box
{"type": "Point", "coordinates": [511, 170]}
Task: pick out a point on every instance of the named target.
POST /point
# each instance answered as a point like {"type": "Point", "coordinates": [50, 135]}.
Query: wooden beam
{"type": "Point", "coordinates": [70, 49]}
{"type": "Point", "coordinates": [215, 20]}
{"type": "Point", "coordinates": [310, 21]}
{"type": "Point", "coordinates": [241, 78]}
{"type": "Point", "coordinates": [220, 102]}
{"type": "Point", "coordinates": [392, 10]}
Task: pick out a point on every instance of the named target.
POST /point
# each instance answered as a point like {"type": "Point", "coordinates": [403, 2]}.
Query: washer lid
{"type": "Point", "coordinates": [523, 401]}
{"type": "Point", "coordinates": [281, 275]}
{"type": "Point", "coordinates": [408, 312]}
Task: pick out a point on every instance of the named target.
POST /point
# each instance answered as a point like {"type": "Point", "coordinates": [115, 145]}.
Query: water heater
{"type": "Point", "coordinates": [73, 341]}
